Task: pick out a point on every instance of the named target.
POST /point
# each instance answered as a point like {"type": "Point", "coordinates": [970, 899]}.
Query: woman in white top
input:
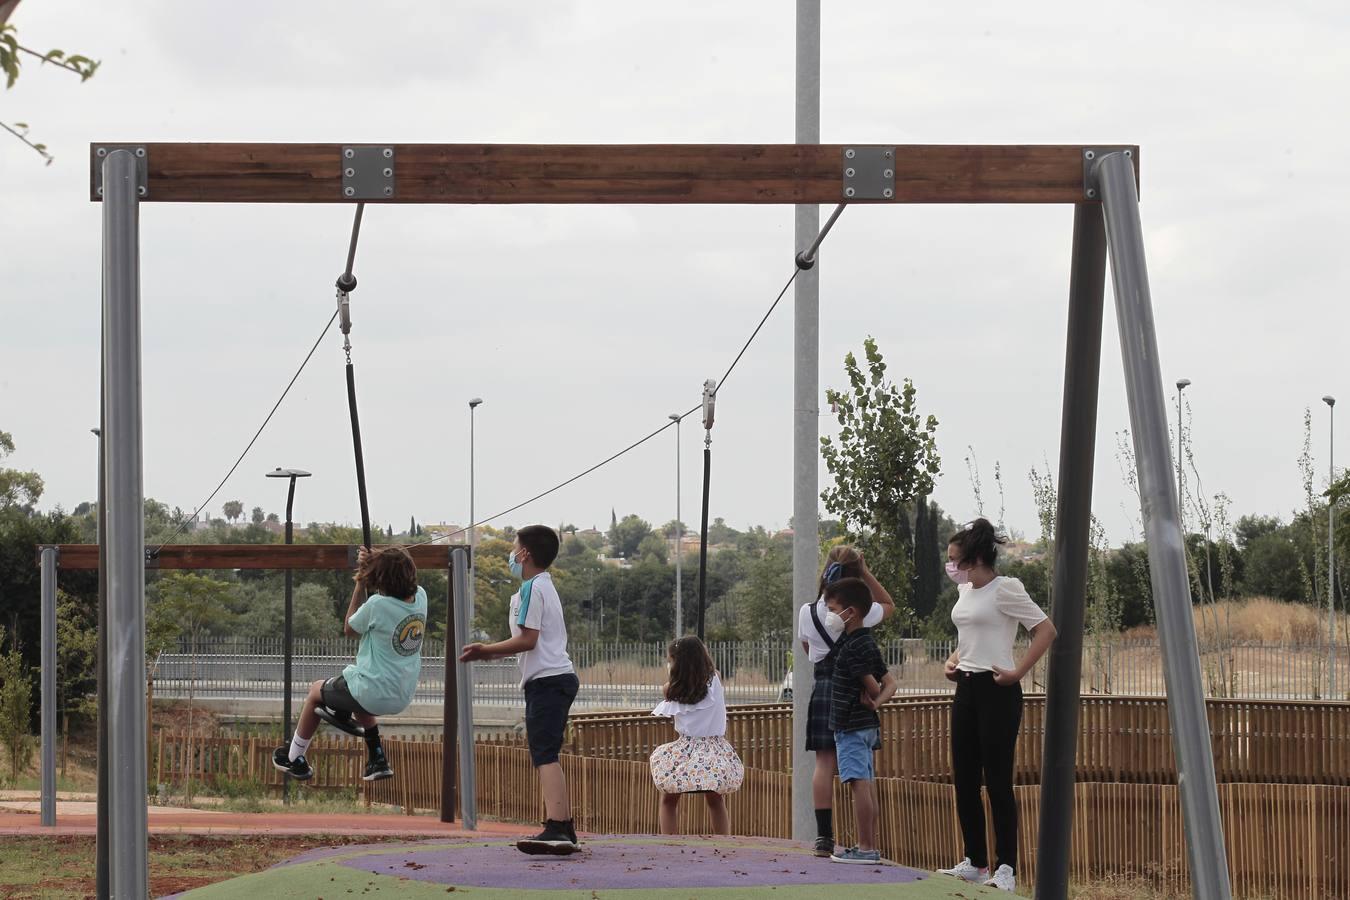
{"type": "Point", "coordinates": [701, 761]}
{"type": "Point", "coordinates": [987, 708]}
{"type": "Point", "coordinates": [818, 629]}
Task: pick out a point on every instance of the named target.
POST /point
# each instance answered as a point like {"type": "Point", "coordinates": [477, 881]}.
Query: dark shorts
{"type": "Point", "coordinates": [819, 735]}
{"type": "Point", "coordinates": [338, 698]}
{"type": "Point", "coordinates": [547, 703]}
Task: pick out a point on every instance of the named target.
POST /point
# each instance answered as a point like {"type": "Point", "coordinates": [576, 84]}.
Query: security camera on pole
{"type": "Point", "coordinates": [709, 401]}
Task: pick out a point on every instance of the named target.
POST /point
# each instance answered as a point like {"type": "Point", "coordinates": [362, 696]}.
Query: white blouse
{"type": "Point", "coordinates": [706, 718]}
{"type": "Point", "coordinates": [815, 644]}
{"type": "Point", "coordinates": [986, 620]}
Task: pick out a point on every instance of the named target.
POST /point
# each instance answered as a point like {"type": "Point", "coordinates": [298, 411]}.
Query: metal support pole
{"type": "Point", "coordinates": [1162, 530]}
{"type": "Point", "coordinates": [288, 635]}
{"type": "Point", "coordinates": [468, 797]}
{"type": "Point", "coordinates": [128, 861]}
{"type": "Point", "coordinates": [48, 695]}
{"type": "Point", "coordinates": [1331, 551]}
{"type": "Point", "coordinates": [1077, 441]}
{"type": "Point", "coordinates": [805, 417]}
{"type": "Point", "coordinates": [102, 840]}
{"type": "Point", "coordinates": [679, 537]}
{"type": "Point", "coordinates": [450, 704]}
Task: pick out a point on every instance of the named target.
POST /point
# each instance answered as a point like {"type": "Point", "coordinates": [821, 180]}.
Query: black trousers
{"type": "Point", "coordinates": [985, 720]}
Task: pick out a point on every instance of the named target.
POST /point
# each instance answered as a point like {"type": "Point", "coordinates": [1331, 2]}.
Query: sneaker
{"type": "Point", "coordinates": [297, 768]}
{"type": "Point", "coordinates": [967, 871]}
{"type": "Point", "coordinates": [557, 839]}
{"type": "Point", "coordinates": [377, 769]}
{"type": "Point", "coordinates": [1003, 879]}
{"type": "Point", "coordinates": [824, 846]}
{"type": "Point", "coordinates": [857, 857]}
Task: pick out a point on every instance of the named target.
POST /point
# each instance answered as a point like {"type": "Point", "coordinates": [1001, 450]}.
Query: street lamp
{"type": "Point", "coordinates": [288, 635]}
{"type": "Point", "coordinates": [679, 534]}
{"type": "Point", "coordinates": [473, 527]}
{"type": "Point", "coordinates": [1182, 384]}
{"type": "Point", "coordinates": [1330, 401]}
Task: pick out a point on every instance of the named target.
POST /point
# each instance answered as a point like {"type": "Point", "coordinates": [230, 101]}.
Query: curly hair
{"type": "Point", "coordinates": [390, 571]}
{"type": "Point", "coordinates": [691, 670]}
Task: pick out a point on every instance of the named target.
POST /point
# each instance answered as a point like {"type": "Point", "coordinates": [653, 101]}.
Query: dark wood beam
{"type": "Point", "coordinates": [252, 556]}
{"type": "Point", "coordinates": [596, 173]}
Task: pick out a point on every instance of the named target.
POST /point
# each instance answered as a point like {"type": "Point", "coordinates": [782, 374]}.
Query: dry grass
{"type": "Point", "coordinates": [1257, 620]}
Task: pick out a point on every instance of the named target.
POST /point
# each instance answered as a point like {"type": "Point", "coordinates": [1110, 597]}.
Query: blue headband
{"type": "Point", "coordinates": [833, 572]}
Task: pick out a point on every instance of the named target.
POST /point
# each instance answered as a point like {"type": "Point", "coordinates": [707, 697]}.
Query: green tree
{"type": "Point", "coordinates": [654, 547]}
{"type": "Point", "coordinates": [16, 703]}
{"type": "Point", "coordinates": [18, 489]}
{"type": "Point", "coordinates": [884, 458]}
{"type": "Point", "coordinates": [258, 516]}
{"type": "Point", "coordinates": [233, 509]}
{"type": "Point", "coordinates": [76, 659]}
{"type": "Point", "coordinates": [929, 557]}
{"type": "Point", "coordinates": [12, 54]}
{"type": "Point", "coordinates": [764, 597]}
{"type": "Point", "coordinates": [625, 536]}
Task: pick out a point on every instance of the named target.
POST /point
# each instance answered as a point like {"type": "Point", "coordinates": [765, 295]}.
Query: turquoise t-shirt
{"type": "Point", "coordinates": [384, 676]}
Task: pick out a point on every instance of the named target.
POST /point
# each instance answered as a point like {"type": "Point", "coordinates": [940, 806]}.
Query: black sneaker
{"type": "Point", "coordinates": [557, 839]}
{"type": "Point", "coordinates": [824, 846]}
{"type": "Point", "coordinates": [377, 769]}
{"type": "Point", "coordinates": [297, 768]}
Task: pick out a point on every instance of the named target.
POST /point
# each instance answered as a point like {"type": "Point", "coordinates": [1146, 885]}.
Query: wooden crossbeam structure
{"type": "Point", "coordinates": [608, 173]}
{"type": "Point", "coordinates": [254, 556]}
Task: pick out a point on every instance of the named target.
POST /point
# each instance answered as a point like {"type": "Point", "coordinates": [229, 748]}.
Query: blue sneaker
{"type": "Point", "coordinates": [857, 857]}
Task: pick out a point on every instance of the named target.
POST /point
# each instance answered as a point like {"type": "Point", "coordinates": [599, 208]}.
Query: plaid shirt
{"type": "Point", "coordinates": [856, 656]}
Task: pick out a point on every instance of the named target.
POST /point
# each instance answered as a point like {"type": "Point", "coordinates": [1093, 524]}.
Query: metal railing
{"type": "Point", "coordinates": [630, 675]}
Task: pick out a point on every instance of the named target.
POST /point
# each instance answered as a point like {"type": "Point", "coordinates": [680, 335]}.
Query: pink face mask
{"type": "Point", "coordinates": [957, 574]}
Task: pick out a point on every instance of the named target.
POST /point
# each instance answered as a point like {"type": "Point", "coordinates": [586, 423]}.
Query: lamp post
{"type": "Point", "coordinates": [288, 635]}
{"type": "Point", "coordinates": [1330, 401]}
{"type": "Point", "coordinates": [679, 534]}
{"type": "Point", "coordinates": [473, 527]}
{"type": "Point", "coordinates": [1182, 384]}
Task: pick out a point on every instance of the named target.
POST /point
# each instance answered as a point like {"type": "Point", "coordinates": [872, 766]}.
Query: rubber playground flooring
{"type": "Point", "coordinates": [607, 868]}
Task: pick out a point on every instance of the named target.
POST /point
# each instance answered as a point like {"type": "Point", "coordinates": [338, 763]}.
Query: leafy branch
{"type": "Point", "coordinates": [10, 53]}
{"type": "Point", "coordinates": [20, 131]}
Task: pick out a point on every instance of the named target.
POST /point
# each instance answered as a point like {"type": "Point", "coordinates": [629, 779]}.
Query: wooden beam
{"type": "Point", "coordinates": [612, 173]}
{"type": "Point", "coordinates": [252, 556]}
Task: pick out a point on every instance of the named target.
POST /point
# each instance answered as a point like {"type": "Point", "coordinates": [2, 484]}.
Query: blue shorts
{"type": "Point", "coordinates": [853, 750]}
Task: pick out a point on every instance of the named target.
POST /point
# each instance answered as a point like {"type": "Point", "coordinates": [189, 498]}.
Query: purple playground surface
{"type": "Point", "coordinates": [614, 862]}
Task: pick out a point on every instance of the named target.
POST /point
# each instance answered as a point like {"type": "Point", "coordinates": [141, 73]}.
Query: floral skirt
{"type": "Point", "coordinates": [697, 765]}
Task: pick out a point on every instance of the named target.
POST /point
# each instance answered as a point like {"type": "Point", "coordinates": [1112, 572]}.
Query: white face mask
{"type": "Point", "coordinates": [834, 623]}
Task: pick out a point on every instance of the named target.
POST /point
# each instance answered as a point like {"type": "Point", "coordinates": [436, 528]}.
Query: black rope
{"type": "Point", "coordinates": [183, 522]}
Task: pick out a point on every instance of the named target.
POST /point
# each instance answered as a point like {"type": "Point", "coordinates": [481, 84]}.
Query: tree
{"type": "Point", "coordinates": [16, 702]}
{"type": "Point", "coordinates": [233, 509]}
{"type": "Point", "coordinates": [11, 56]}
{"type": "Point", "coordinates": [883, 459]}
{"type": "Point", "coordinates": [626, 536]}
{"type": "Point", "coordinates": [653, 547]}
{"type": "Point", "coordinates": [764, 597]}
{"type": "Point", "coordinates": [76, 659]}
{"type": "Point", "coordinates": [18, 489]}
{"type": "Point", "coordinates": [928, 559]}
{"type": "Point", "coordinates": [258, 516]}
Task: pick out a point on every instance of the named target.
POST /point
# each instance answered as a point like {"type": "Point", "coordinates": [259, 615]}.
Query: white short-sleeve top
{"type": "Point", "coordinates": [986, 620]}
{"type": "Point", "coordinates": [816, 648]}
{"type": "Point", "coordinates": [706, 718]}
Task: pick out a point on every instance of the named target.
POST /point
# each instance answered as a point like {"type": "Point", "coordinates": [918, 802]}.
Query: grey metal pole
{"type": "Point", "coordinates": [48, 687]}
{"type": "Point", "coordinates": [468, 798]}
{"type": "Point", "coordinates": [1078, 438]}
{"type": "Point", "coordinates": [473, 527]}
{"type": "Point", "coordinates": [679, 536]}
{"type": "Point", "coordinates": [102, 839]}
{"type": "Point", "coordinates": [805, 416]}
{"type": "Point", "coordinates": [128, 861]}
{"type": "Point", "coordinates": [288, 634]}
{"type": "Point", "coordinates": [1330, 401]}
{"type": "Point", "coordinates": [1162, 530]}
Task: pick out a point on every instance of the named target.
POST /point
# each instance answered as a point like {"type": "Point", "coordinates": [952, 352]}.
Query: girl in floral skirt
{"type": "Point", "coordinates": [701, 761]}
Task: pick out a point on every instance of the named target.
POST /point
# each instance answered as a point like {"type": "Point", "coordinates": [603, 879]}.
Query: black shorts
{"type": "Point", "coordinates": [338, 698]}
{"type": "Point", "coordinates": [547, 703]}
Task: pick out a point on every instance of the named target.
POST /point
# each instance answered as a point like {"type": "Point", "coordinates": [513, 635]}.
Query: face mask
{"type": "Point", "coordinates": [957, 574]}
{"type": "Point", "coordinates": [834, 623]}
{"type": "Point", "coordinates": [516, 569]}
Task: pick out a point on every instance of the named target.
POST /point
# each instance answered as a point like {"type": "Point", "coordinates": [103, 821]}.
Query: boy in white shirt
{"type": "Point", "coordinates": [539, 641]}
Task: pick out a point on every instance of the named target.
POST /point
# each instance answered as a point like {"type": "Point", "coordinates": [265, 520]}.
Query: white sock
{"type": "Point", "coordinates": [298, 746]}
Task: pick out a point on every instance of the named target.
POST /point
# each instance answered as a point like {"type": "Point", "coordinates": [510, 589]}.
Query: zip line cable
{"type": "Point", "coordinates": [183, 522]}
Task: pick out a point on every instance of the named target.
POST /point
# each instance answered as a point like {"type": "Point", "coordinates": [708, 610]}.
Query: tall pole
{"type": "Point", "coordinates": [679, 534]}
{"type": "Point", "coordinates": [805, 415]}
{"type": "Point", "coordinates": [102, 840]}
{"type": "Point", "coordinates": [1078, 438]}
{"type": "Point", "coordinates": [1114, 175]}
{"type": "Point", "coordinates": [473, 522]}
{"type": "Point", "coordinates": [288, 626]}
{"type": "Point", "coordinates": [123, 474]}
{"type": "Point", "coordinates": [47, 805]}
{"type": "Point", "coordinates": [1182, 384]}
{"type": "Point", "coordinates": [468, 795]}
{"type": "Point", "coordinates": [1330, 401]}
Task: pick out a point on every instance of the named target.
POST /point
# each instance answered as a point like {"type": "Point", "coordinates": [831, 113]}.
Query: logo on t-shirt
{"type": "Point", "coordinates": [408, 635]}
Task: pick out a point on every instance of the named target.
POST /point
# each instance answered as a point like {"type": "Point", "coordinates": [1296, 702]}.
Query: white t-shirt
{"type": "Point", "coordinates": [986, 620]}
{"type": "Point", "coordinates": [706, 718]}
{"type": "Point", "coordinates": [537, 605]}
{"type": "Point", "coordinates": [816, 649]}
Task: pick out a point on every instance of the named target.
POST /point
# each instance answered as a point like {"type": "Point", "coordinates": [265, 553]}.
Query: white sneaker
{"type": "Point", "coordinates": [966, 871]}
{"type": "Point", "coordinates": [1003, 879]}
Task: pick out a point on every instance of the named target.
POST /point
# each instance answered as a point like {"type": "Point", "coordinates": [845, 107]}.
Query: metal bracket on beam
{"type": "Point", "coordinates": [1091, 156]}
{"type": "Point", "coordinates": [151, 558]}
{"type": "Point", "coordinates": [869, 173]}
{"type": "Point", "coordinates": [99, 152]}
{"type": "Point", "coordinates": [367, 172]}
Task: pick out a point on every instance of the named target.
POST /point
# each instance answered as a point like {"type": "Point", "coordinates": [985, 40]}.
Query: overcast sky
{"type": "Point", "coordinates": [583, 327]}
